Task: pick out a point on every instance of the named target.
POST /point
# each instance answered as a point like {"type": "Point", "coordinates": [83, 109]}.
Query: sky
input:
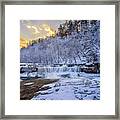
{"type": "Point", "coordinates": [33, 29]}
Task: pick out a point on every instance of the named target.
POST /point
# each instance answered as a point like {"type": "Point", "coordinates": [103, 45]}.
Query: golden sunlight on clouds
{"type": "Point", "coordinates": [33, 30]}
{"type": "Point", "coordinates": [23, 42]}
{"type": "Point", "coordinates": [50, 31]}
{"type": "Point", "coordinates": [41, 30]}
{"type": "Point", "coordinates": [37, 31]}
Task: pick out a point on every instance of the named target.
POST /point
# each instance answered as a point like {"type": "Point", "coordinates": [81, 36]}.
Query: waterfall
{"type": "Point", "coordinates": [51, 72]}
{"type": "Point", "coordinates": [64, 68]}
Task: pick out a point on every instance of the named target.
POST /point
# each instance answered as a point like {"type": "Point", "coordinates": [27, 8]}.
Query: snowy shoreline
{"type": "Point", "coordinates": [82, 88]}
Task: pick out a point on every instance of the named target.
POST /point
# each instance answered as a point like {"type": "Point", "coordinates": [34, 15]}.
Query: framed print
{"type": "Point", "coordinates": [60, 59]}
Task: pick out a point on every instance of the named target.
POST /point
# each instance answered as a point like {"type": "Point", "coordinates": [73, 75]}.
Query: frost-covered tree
{"type": "Point", "coordinates": [76, 41]}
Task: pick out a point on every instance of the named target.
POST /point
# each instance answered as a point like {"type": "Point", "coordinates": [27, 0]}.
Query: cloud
{"type": "Point", "coordinates": [38, 30]}
{"type": "Point", "coordinates": [48, 29]}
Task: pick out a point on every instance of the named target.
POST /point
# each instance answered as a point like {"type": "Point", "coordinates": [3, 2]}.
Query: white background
{"type": "Point", "coordinates": [106, 104]}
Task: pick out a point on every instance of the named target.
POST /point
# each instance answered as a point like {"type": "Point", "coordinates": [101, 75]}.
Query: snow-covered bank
{"type": "Point", "coordinates": [86, 87]}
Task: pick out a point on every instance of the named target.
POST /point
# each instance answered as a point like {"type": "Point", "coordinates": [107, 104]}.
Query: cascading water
{"type": "Point", "coordinates": [61, 71]}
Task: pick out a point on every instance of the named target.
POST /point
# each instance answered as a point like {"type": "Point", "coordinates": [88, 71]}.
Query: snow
{"type": "Point", "coordinates": [52, 76]}
{"type": "Point", "coordinates": [29, 83]}
{"type": "Point", "coordinates": [32, 74]}
{"type": "Point", "coordinates": [25, 74]}
{"type": "Point", "coordinates": [76, 48]}
{"type": "Point", "coordinates": [29, 74]}
{"type": "Point", "coordinates": [85, 87]}
{"type": "Point", "coordinates": [62, 58]}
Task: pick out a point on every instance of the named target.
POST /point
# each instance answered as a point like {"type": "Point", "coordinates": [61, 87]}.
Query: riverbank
{"type": "Point", "coordinates": [29, 88]}
{"type": "Point", "coordinates": [83, 87]}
